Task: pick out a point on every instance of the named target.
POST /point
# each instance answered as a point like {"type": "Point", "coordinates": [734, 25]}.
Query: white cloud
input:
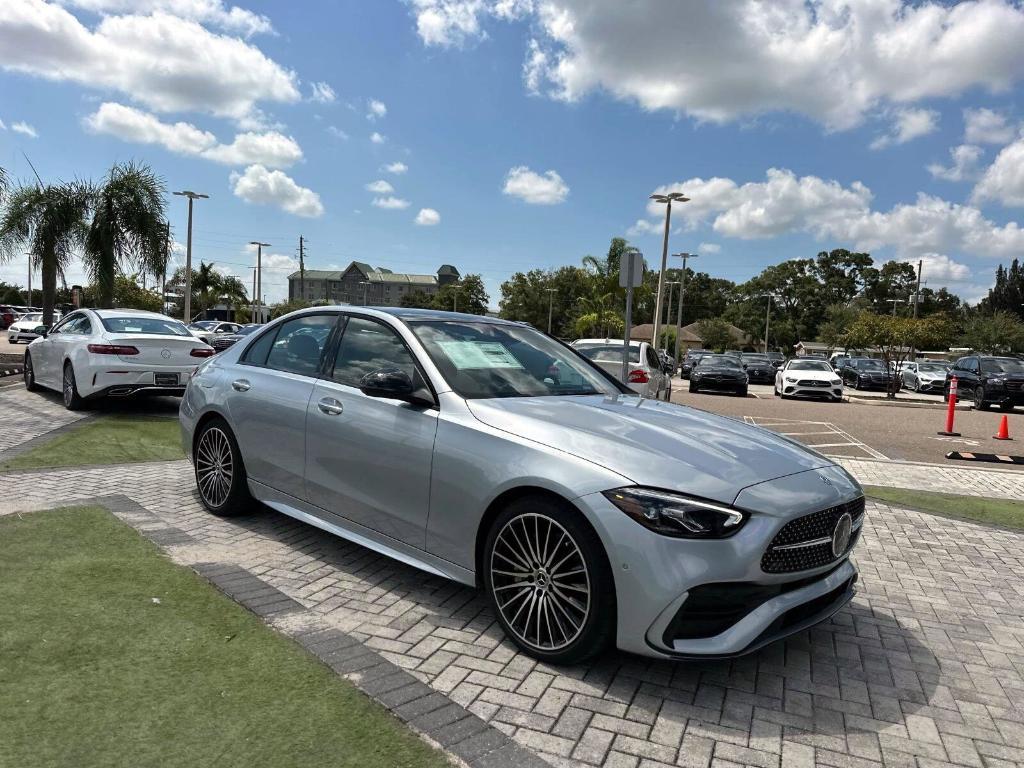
{"type": "Point", "coordinates": [428, 217]}
{"type": "Point", "coordinates": [709, 248]}
{"type": "Point", "coordinates": [390, 203]}
{"type": "Point", "coordinates": [337, 133]}
{"type": "Point", "coordinates": [377, 109]}
{"type": "Point", "coordinates": [214, 12]}
{"type": "Point", "coordinates": [25, 129]}
{"type": "Point", "coordinates": [908, 124]}
{"type": "Point", "coordinates": [986, 126]}
{"type": "Point", "coordinates": [129, 124]}
{"type": "Point", "coordinates": [832, 60]}
{"type": "Point", "coordinates": [264, 187]}
{"type": "Point", "coordinates": [396, 168]}
{"type": "Point", "coordinates": [1004, 179]}
{"type": "Point", "coordinates": [380, 187]}
{"type": "Point", "coordinates": [785, 203]}
{"type": "Point", "coordinates": [376, 138]}
{"type": "Point", "coordinates": [644, 227]}
{"type": "Point", "coordinates": [3, 126]}
{"type": "Point", "coordinates": [535, 188]}
{"type": "Point", "coordinates": [964, 166]}
{"type": "Point", "coordinates": [168, 63]}
{"type": "Point", "coordinates": [941, 268]}
{"type": "Point", "coordinates": [322, 93]}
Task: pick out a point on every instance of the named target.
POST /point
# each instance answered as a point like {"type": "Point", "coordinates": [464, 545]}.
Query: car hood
{"type": "Point", "coordinates": [653, 443]}
{"type": "Point", "coordinates": [718, 370]}
{"type": "Point", "coordinates": [812, 375]}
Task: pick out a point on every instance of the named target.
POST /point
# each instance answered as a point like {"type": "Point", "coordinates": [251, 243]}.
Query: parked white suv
{"type": "Point", "coordinates": [645, 374]}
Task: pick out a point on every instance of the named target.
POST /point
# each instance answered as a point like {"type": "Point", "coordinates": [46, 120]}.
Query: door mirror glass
{"type": "Point", "coordinates": [387, 382]}
{"type": "Point", "coordinates": [41, 330]}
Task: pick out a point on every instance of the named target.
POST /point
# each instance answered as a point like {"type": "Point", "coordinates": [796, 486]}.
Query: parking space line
{"type": "Point", "coordinates": [818, 428]}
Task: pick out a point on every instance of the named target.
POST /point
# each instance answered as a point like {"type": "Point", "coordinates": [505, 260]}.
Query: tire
{"type": "Point", "coordinates": [775, 391]}
{"type": "Point", "coordinates": [693, 387]}
{"type": "Point", "coordinates": [69, 388]}
{"type": "Point", "coordinates": [979, 398]}
{"type": "Point", "coordinates": [579, 633]}
{"type": "Point", "coordinates": [226, 494]}
{"type": "Point", "coordinates": [668, 392]}
{"type": "Point", "coordinates": [30, 375]}
{"type": "Point", "coordinates": [742, 392]}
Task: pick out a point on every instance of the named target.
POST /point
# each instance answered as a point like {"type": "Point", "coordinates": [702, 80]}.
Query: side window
{"type": "Point", "coordinates": [652, 359]}
{"type": "Point", "coordinates": [257, 353]}
{"type": "Point", "coordinates": [76, 324]}
{"type": "Point", "coordinates": [61, 324]}
{"type": "Point", "coordinates": [300, 343]}
{"type": "Point", "coordinates": [972, 364]}
{"type": "Point", "coordinates": [367, 346]}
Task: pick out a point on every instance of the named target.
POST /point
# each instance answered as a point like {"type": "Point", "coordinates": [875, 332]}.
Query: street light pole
{"type": "Point", "coordinates": [682, 293]}
{"type": "Point", "coordinates": [767, 320]}
{"type": "Point", "coordinates": [894, 302]}
{"type": "Point", "coordinates": [259, 273]}
{"type": "Point", "coordinates": [667, 200]}
{"type": "Point", "coordinates": [366, 287]}
{"type": "Point", "coordinates": [551, 305]}
{"type": "Point", "coordinates": [192, 196]}
{"type": "Point", "coordinates": [668, 311]}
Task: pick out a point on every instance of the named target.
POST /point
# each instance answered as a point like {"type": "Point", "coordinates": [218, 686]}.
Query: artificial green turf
{"type": "Point", "coordinates": [95, 672]}
{"type": "Point", "coordinates": [1004, 512]}
{"type": "Point", "coordinates": [106, 440]}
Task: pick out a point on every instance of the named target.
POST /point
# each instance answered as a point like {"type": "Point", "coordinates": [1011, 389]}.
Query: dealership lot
{"type": "Point", "coordinates": [925, 664]}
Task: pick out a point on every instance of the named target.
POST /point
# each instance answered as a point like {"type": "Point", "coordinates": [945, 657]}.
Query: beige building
{"type": "Point", "coordinates": [362, 284]}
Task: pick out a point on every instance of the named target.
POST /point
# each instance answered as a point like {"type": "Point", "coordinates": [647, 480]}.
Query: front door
{"type": "Point", "coordinates": [368, 458]}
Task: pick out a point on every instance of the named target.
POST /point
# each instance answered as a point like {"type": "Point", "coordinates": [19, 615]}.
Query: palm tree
{"type": "Point", "coordinates": [206, 285]}
{"type": "Point", "coordinates": [50, 220]}
{"type": "Point", "coordinates": [3, 184]}
{"type": "Point", "coordinates": [128, 226]}
{"type": "Point", "coordinates": [233, 293]}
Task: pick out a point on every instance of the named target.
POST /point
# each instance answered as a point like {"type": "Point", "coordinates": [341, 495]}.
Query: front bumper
{"type": "Point", "coordinates": [655, 575]}
{"type": "Point", "coordinates": [761, 377]}
{"type": "Point", "coordinates": [718, 383]}
{"type": "Point", "coordinates": [16, 336]}
{"type": "Point", "coordinates": [834, 392]}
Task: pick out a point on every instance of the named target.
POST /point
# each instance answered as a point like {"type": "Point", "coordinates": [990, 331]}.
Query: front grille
{"type": "Point", "coordinates": [811, 383]}
{"type": "Point", "coordinates": [1015, 386]}
{"type": "Point", "coordinates": [782, 557]}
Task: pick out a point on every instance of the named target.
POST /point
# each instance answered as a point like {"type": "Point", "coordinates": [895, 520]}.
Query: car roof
{"type": "Point", "coordinates": [608, 342]}
{"type": "Point", "coordinates": [109, 313]}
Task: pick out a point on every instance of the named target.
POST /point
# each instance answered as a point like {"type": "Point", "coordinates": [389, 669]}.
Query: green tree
{"type": "Point", "coordinates": [526, 297]}
{"type": "Point", "coordinates": [233, 293]}
{"type": "Point", "coordinates": [1007, 295]}
{"type": "Point", "coordinates": [996, 334]}
{"type": "Point", "coordinates": [466, 294]}
{"type": "Point", "coordinates": [4, 184]}
{"type": "Point", "coordinates": [206, 286]}
{"type": "Point", "coordinates": [895, 337]}
{"type": "Point", "coordinates": [128, 227]}
{"type": "Point", "coordinates": [417, 300]}
{"type": "Point", "coordinates": [603, 325]}
{"type": "Point", "coordinates": [50, 221]}
{"type": "Point", "coordinates": [715, 334]}
{"type": "Point", "coordinates": [127, 294]}
{"type": "Point", "coordinates": [284, 307]}
{"type": "Point", "coordinates": [838, 320]}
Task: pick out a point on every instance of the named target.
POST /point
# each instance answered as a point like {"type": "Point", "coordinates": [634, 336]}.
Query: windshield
{"type": "Point", "coordinates": [869, 365]}
{"type": "Point", "coordinates": [608, 353]}
{"type": "Point", "coordinates": [204, 325]}
{"type": "Point", "coordinates": [245, 330]}
{"type": "Point", "coordinates": [725, 361]}
{"type": "Point", "coordinates": [931, 368]}
{"type": "Point", "coordinates": [482, 360]}
{"type": "Point", "coordinates": [1002, 365]}
{"type": "Point", "coordinates": [755, 358]}
{"type": "Point", "coordinates": [809, 365]}
{"type": "Point", "coordinates": [155, 325]}
{"type": "Point", "coordinates": [32, 318]}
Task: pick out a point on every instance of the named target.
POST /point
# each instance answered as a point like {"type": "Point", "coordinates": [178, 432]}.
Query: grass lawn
{"type": "Point", "coordinates": [106, 440]}
{"type": "Point", "coordinates": [1004, 512]}
{"type": "Point", "coordinates": [94, 672]}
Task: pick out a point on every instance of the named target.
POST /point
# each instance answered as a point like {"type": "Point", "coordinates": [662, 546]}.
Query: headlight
{"type": "Point", "coordinates": [790, 380]}
{"type": "Point", "coordinates": [998, 381]}
{"type": "Point", "coordinates": [672, 514]}
{"type": "Point", "coordinates": [837, 382]}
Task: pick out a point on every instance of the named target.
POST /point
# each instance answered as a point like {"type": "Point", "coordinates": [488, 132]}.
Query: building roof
{"type": "Point", "coordinates": [645, 332]}
{"type": "Point", "coordinates": [317, 274]}
{"type": "Point", "coordinates": [386, 276]}
{"type": "Point", "coordinates": [375, 274]}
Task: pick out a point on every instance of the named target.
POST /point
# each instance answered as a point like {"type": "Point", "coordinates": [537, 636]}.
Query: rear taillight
{"type": "Point", "coordinates": [638, 376]}
{"type": "Point", "coordinates": [112, 349]}
{"type": "Point", "coordinates": [203, 352]}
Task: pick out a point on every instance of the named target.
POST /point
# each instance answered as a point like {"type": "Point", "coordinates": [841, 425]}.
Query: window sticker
{"type": "Point", "coordinates": [469, 355]}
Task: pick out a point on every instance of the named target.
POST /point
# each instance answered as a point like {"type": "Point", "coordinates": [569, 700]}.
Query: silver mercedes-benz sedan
{"type": "Point", "coordinates": [486, 452]}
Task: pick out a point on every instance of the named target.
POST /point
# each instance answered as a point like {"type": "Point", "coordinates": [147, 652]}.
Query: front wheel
{"type": "Point", "coordinates": [72, 400]}
{"type": "Point", "coordinates": [220, 474]}
{"type": "Point", "coordinates": [742, 392]}
{"type": "Point", "coordinates": [693, 387]}
{"type": "Point", "coordinates": [549, 581]}
{"type": "Point", "coordinates": [30, 375]}
{"type": "Point", "coordinates": [979, 399]}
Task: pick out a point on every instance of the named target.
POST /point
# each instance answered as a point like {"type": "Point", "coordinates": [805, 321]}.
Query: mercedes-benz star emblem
{"type": "Point", "coordinates": [165, 353]}
{"type": "Point", "coordinates": [841, 535]}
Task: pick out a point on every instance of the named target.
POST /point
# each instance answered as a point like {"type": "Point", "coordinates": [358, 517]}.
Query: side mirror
{"type": "Point", "coordinates": [393, 383]}
{"type": "Point", "coordinates": [41, 330]}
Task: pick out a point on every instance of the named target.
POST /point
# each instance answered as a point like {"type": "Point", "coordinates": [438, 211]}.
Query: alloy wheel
{"type": "Point", "coordinates": [29, 375]}
{"type": "Point", "coordinates": [214, 467]}
{"type": "Point", "coordinates": [69, 386]}
{"type": "Point", "coordinates": [979, 398]}
{"type": "Point", "coordinates": [540, 582]}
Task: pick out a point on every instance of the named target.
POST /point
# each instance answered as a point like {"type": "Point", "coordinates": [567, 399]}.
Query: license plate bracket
{"type": "Point", "coordinates": [165, 379]}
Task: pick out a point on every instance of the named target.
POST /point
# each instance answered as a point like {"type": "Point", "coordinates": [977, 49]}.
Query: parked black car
{"type": "Point", "coordinates": [778, 359]}
{"type": "Point", "coordinates": [865, 373]}
{"type": "Point", "coordinates": [988, 381]}
{"type": "Point", "coordinates": [759, 368]}
{"type": "Point", "coordinates": [690, 360]}
{"type": "Point", "coordinates": [719, 372]}
{"type": "Point", "coordinates": [225, 340]}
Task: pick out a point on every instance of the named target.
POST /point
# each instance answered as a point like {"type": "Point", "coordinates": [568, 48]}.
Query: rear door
{"type": "Point", "coordinates": [368, 459]}
{"type": "Point", "coordinates": [269, 389]}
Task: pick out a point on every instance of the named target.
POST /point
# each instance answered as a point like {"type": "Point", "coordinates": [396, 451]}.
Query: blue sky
{"type": "Point", "coordinates": [526, 133]}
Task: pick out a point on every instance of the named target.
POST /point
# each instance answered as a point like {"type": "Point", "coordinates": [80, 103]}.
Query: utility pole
{"type": "Point", "coordinates": [767, 320]}
{"type": "Point", "coordinates": [366, 285]}
{"type": "Point", "coordinates": [302, 270]}
{"type": "Point", "coordinates": [259, 273]}
{"type": "Point", "coordinates": [192, 196]}
{"type": "Point", "coordinates": [668, 313]}
{"type": "Point", "coordinates": [455, 300]}
{"type": "Point", "coordinates": [551, 305]}
{"type": "Point", "coordinates": [894, 303]}
{"type": "Point", "coordinates": [682, 293]}
{"type": "Point", "coordinates": [667, 200]}
{"type": "Point", "coordinates": [917, 292]}
{"type": "Point", "coordinates": [163, 276]}
{"type": "Point", "coordinates": [29, 302]}
{"type": "Point", "coordinates": [252, 315]}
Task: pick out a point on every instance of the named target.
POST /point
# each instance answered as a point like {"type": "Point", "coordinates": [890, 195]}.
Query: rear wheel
{"type": "Point", "coordinates": [220, 474]}
{"type": "Point", "coordinates": [549, 582]}
{"type": "Point", "coordinates": [72, 400]}
{"type": "Point", "coordinates": [30, 375]}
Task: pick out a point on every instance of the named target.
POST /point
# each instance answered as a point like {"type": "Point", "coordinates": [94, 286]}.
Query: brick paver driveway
{"type": "Point", "coordinates": [925, 667]}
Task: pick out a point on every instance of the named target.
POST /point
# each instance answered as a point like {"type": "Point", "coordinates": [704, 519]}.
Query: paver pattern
{"type": "Point", "coordinates": [924, 668]}
{"type": "Point", "coordinates": [25, 415]}
{"type": "Point", "coordinates": [941, 478]}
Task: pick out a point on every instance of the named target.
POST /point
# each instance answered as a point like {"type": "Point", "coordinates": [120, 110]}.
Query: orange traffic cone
{"type": "Point", "coordinates": [1004, 430]}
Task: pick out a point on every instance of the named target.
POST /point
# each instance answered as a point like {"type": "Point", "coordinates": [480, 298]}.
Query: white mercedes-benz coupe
{"type": "Point", "coordinates": [93, 353]}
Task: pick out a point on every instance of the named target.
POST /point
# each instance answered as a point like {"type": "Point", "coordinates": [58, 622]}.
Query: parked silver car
{"type": "Point", "coordinates": [489, 453]}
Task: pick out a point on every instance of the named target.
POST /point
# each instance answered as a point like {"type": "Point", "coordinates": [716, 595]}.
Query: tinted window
{"type": "Point", "coordinates": [722, 361]}
{"type": "Point", "coordinates": [652, 359]}
{"type": "Point", "coordinates": [809, 365]}
{"type": "Point", "coordinates": [1002, 365]}
{"type": "Point", "coordinates": [609, 353]}
{"type": "Point", "coordinates": [155, 325]}
{"type": "Point", "coordinates": [299, 345]}
{"type": "Point", "coordinates": [368, 346]}
{"type": "Point", "coordinates": [77, 324]}
{"type": "Point", "coordinates": [869, 365]}
{"type": "Point", "coordinates": [257, 353]}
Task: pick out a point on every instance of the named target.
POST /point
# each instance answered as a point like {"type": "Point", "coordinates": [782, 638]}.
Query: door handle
{"type": "Point", "coordinates": [241, 385]}
{"type": "Point", "coordinates": [330, 406]}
